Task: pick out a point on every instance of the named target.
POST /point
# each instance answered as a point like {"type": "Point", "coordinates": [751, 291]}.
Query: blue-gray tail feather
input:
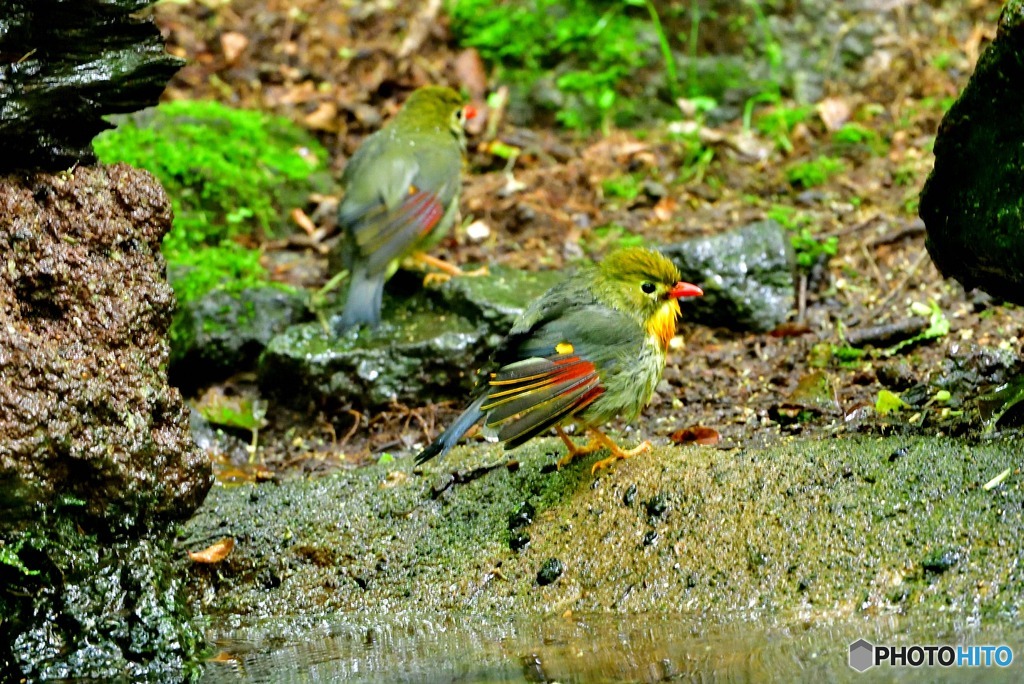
{"type": "Point", "coordinates": [364, 301]}
{"type": "Point", "coordinates": [448, 438]}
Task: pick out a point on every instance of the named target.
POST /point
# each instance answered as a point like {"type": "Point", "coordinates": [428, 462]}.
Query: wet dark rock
{"type": "Point", "coordinates": [630, 496]}
{"type": "Point", "coordinates": [897, 375]}
{"type": "Point", "coordinates": [518, 541]}
{"type": "Point", "coordinates": [103, 609]}
{"type": "Point", "coordinates": [975, 221]}
{"type": "Point", "coordinates": [550, 571]}
{"type": "Point", "coordinates": [897, 454]}
{"type": "Point", "coordinates": [52, 98]}
{"type": "Point", "coordinates": [971, 366]}
{"type": "Point", "coordinates": [95, 450]}
{"type": "Point", "coordinates": [522, 517]}
{"type": "Point", "coordinates": [428, 345]}
{"type": "Point", "coordinates": [746, 275]}
{"type": "Point", "coordinates": [222, 333]}
{"type": "Point", "coordinates": [656, 505]}
{"type": "Point", "coordinates": [414, 353]}
{"type": "Point", "coordinates": [85, 409]}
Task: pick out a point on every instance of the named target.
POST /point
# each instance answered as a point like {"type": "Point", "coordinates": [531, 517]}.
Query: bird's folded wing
{"type": "Point", "coordinates": [529, 396]}
{"type": "Point", "coordinates": [386, 234]}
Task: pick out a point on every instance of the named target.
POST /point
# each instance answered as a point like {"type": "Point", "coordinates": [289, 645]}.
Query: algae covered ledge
{"type": "Point", "coordinates": [802, 530]}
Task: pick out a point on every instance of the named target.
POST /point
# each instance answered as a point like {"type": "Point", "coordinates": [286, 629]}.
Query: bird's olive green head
{"type": "Point", "coordinates": [646, 285]}
{"type": "Point", "coordinates": [432, 107]}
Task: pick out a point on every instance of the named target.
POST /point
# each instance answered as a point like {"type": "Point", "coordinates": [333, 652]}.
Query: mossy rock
{"type": "Point", "coordinates": [227, 171]}
{"type": "Point", "coordinates": [225, 330]}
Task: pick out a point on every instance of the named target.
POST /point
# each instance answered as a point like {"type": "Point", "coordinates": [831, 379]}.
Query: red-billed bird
{"type": "Point", "coordinates": [588, 350]}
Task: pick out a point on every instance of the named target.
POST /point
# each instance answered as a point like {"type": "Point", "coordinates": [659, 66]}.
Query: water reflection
{"type": "Point", "coordinates": [606, 648]}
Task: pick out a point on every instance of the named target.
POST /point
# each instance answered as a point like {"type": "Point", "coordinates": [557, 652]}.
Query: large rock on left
{"type": "Point", "coordinates": [85, 409]}
{"type": "Point", "coordinates": [95, 451]}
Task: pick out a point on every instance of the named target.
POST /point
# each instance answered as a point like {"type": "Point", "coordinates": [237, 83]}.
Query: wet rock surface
{"type": "Point", "coordinates": [746, 275]}
{"type": "Point", "coordinates": [222, 333]}
{"type": "Point", "coordinates": [413, 353]}
{"type": "Point", "coordinates": [975, 220]}
{"type": "Point", "coordinates": [805, 530]}
{"type": "Point", "coordinates": [85, 409]}
{"type": "Point", "coordinates": [498, 299]}
{"type": "Point", "coordinates": [99, 608]}
{"type": "Point", "coordinates": [429, 344]}
{"type": "Point", "coordinates": [118, 64]}
{"type": "Point", "coordinates": [95, 452]}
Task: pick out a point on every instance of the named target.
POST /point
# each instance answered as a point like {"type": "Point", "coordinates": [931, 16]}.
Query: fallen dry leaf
{"type": "Point", "coordinates": [698, 434]}
{"type": "Point", "coordinates": [323, 118]}
{"type": "Point", "coordinates": [233, 44]}
{"type": "Point", "coordinates": [790, 329]}
{"type": "Point", "coordinates": [393, 479]}
{"type": "Point", "coordinates": [665, 208]}
{"type": "Point", "coordinates": [833, 112]}
{"type": "Point", "coordinates": [222, 657]}
{"type": "Point", "coordinates": [303, 221]}
{"type": "Point", "coordinates": [472, 74]}
{"type": "Point", "coordinates": [214, 553]}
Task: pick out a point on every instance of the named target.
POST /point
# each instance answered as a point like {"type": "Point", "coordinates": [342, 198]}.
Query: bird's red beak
{"type": "Point", "coordinates": [469, 112]}
{"type": "Point", "coordinates": [682, 289]}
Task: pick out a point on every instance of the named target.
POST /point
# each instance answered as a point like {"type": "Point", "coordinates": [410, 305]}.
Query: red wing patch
{"type": "Point", "coordinates": [417, 215]}
{"type": "Point", "coordinates": [529, 396]}
{"type": "Point", "coordinates": [423, 209]}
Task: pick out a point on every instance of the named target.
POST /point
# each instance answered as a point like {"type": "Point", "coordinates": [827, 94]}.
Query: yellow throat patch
{"type": "Point", "coordinates": [662, 325]}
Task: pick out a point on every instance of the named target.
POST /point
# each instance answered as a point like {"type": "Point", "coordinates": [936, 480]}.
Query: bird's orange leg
{"type": "Point", "coordinates": [449, 271]}
{"type": "Point", "coordinates": [618, 452]}
{"type": "Point", "coordinates": [572, 450]}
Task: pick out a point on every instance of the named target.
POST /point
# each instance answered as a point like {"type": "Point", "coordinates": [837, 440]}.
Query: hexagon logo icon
{"type": "Point", "coordinates": [862, 655]}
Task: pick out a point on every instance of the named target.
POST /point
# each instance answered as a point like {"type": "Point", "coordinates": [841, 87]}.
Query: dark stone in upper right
{"type": "Point", "coordinates": [972, 203]}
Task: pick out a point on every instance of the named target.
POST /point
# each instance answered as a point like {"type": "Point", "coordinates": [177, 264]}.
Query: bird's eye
{"type": "Point", "coordinates": [648, 288]}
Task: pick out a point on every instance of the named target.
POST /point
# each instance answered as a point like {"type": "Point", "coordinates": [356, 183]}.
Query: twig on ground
{"type": "Point", "coordinates": [900, 286]}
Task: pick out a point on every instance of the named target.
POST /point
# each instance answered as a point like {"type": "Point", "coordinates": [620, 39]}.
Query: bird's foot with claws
{"type": "Point", "coordinates": [619, 453]}
{"type": "Point", "coordinates": [447, 271]}
{"type": "Point", "coordinates": [434, 279]}
{"type": "Point", "coordinates": [598, 440]}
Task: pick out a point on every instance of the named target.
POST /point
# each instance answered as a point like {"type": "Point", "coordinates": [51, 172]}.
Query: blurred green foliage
{"type": "Point", "coordinates": [814, 172]}
{"type": "Point", "coordinates": [597, 62]}
{"type": "Point", "coordinates": [228, 173]}
{"type": "Point", "coordinates": [809, 249]}
{"type": "Point", "coordinates": [591, 46]}
{"type": "Point", "coordinates": [227, 266]}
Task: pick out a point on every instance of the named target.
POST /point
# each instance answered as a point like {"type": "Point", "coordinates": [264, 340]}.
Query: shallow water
{"type": "Point", "coordinates": [603, 648]}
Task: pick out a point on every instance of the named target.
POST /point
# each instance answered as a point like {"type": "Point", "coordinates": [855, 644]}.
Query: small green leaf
{"type": "Point", "coordinates": [888, 402]}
